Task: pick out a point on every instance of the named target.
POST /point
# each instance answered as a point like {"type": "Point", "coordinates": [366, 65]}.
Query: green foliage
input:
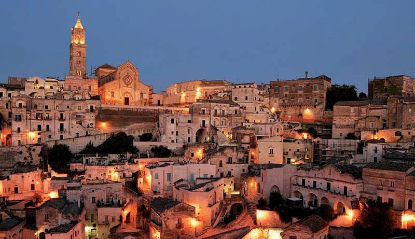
{"type": "Point", "coordinates": [59, 157]}
{"type": "Point", "coordinates": [312, 131]}
{"type": "Point", "coordinates": [340, 93]}
{"type": "Point", "coordinates": [326, 212]}
{"type": "Point", "coordinates": [262, 204]}
{"type": "Point", "coordinates": [362, 96]}
{"type": "Point", "coordinates": [376, 220]}
{"type": "Point", "coordinates": [89, 149]}
{"type": "Point", "coordinates": [351, 136]}
{"type": "Point", "coordinates": [161, 152]}
{"type": "Point", "coordinates": [146, 137]}
{"type": "Point", "coordinates": [275, 200]}
{"type": "Point", "coordinates": [116, 144]}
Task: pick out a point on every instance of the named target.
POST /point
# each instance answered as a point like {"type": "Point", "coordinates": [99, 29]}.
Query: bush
{"type": "Point", "coordinates": [326, 212]}
{"type": "Point", "coordinates": [117, 144]}
{"type": "Point", "coordinates": [161, 152]}
{"type": "Point", "coordinates": [262, 204]}
{"type": "Point", "coordinates": [146, 137]}
{"type": "Point", "coordinates": [59, 158]}
{"type": "Point", "coordinates": [376, 220]}
{"type": "Point", "coordinates": [275, 200]}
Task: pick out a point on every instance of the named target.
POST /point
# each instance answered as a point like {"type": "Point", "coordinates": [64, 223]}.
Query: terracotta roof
{"type": "Point", "coordinates": [314, 222]}
{"type": "Point", "coordinates": [107, 66]}
{"type": "Point", "coordinates": [161, 204]}
{"type": "Point", "coordinates": [353, 170]}
{"type": "Point", "coordinates": [390, 166]}
{"type": "Point", "coordinates": [10, 223]}
{"type": "Point", "coordinates": [63, 228]}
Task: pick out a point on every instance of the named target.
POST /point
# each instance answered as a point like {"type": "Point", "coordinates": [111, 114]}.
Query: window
{"type": "Point", "coordinates": [236, 98]}
{"type": "Point", "coordinates": [168, 177]}
{"type": "Point", "coordinates": [92, 217]}
{"type": "Point", "coordinates": [205, 175]}
{"type": "Point", "coordinates": [46, 217]}
{"type": "Point", "coordinates": [410, 204]}
{"type": "Point", "coordinates": [380, 199]}
{"type": "Point", "coordinates": [93, 199]}
{"type": "Point", "coordinates": [18, 129]}
{"type": "Point", "coordinates": [172, 120]}
{"type": "Point", "coordinates": [112, 94]}
{"type": "Point", "coordinates": [286, 88]}
{"type": "Point", "coordinates": [315, 87]}
{"type": "Point", "coordinates": [392, 183]}
{"type": "Point", "coordinates": [293, 237]}
{"type": "Point", "coordinates": [156, 176]}
{"type": "Point", "coordinates": [390, 201]}
{"type": "Point", "coordinates": [192, 177]}
{"type": "Point", "coordinates": [246, 97]}
{"type": "Point", "coordinates": [271, 151]}
{"type": "Point", "coordinates": [300, 88]}
{"type": "Point", "coordinates": [39, 127]}
{"type": "Point", "coordinates": [32, 187]}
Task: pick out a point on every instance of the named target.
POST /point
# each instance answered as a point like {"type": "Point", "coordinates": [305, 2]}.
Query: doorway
{"type": "Point", "coordinates": [126, 101]}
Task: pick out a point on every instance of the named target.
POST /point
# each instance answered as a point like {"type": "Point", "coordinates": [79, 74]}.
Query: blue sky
{"type": "Point", "coordinates": [241, 41]}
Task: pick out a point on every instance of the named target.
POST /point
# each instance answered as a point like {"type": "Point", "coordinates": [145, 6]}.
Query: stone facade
{"type": "Point", "coordinates": [122, 86]}
{"type": "Point", "coordinates": [301, 99]}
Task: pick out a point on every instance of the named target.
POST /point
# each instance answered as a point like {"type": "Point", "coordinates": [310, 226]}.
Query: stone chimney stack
{"type": "Point", "coordinates": [306, 74]}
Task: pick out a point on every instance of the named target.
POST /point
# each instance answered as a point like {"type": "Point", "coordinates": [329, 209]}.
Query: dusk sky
{"type": "Point", "coordinates": [240, 41]}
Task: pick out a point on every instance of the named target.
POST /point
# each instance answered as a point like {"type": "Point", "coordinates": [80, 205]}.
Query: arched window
{"type": "Point", "coordinates": [410, 204]}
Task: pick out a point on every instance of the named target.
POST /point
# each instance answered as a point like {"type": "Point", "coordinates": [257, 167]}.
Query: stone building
{"type": "Point", "coordinates": [122, 86]}
{"type": "Point", "coordinates": [41, 120]}
{"type": "Point", "coordinates": [248, 96]}
{"type": "Point", "coordinates": [188, 92]}
{"type": "Point", "coordinates": [380, 87]}
{"type": "Point", "coordinates": [340, 149]}
{"type": "Point", "coordinates": [73, 230]}
{"type": "Point", "coordinates": [158, 179]}
{"type": "Point", "coordinates": [270, 150]}
{"type": "Point", "coordinates": [311, 227]}
{"type": "Point", "coordinates": [12, 227]}
{"type": "Point", "coordinates": [300, 99]}
{"type": "Point", "coordinates": [207, 121]}
{"type": "Point", "coordinates": [204, 194]}
{"type": "Point", "coordinates": [337, 185]}
{"type": "Point", "coordinates": [77, 81]}
{"type": "Point", "coordinates": [298, 151]}
{"type": "Point", "coordinates": [265, 179]}
{"type": "Point", "coordinates": [36, 87]}
{"type": "Point", "coordinates": [172, 219]}
{"type": "Point", "coordinates": [56, 212]}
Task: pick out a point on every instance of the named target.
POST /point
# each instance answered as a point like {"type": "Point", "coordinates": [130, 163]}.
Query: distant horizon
{"type": "Point", "coordinates": [237, 41]}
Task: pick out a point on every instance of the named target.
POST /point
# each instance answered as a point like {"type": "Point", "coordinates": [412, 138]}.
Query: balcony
{"type": "Point", "coordinates": [391, 189]}
{"type": "Point", "coordinates": [62, 118]}
{"type": "Point", "coordinates": [380, 187]}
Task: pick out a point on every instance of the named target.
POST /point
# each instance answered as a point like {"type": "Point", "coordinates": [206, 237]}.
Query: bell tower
{"type": "Point", "coordinates": [77, 50]}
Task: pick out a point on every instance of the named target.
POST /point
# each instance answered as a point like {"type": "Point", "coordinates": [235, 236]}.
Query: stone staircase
{"type": "Point", "coordinates": [252, 210]}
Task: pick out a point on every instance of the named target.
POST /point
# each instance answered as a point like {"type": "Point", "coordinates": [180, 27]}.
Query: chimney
{"type": "Point", "coordinates": [306, 74]}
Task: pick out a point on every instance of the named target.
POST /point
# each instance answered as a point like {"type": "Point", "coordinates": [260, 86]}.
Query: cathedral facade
{"type": "Point", "coordinates": [115, 85]}
{"type": "Point", "coordinates": [122, 85]}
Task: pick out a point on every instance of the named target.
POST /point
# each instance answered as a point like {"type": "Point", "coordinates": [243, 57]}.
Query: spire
{"type": "Point", "coordinates": [78, 22]}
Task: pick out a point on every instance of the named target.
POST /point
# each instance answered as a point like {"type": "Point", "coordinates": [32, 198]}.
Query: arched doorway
{"type": "Point", "coordinates": [312, 200]}
{"type": "Point", "coordinates": [127, 97]}
{"type": "Point", "coordinates": [339, 208]}
{"type": "Point", "coordinates": [234, 212]}
{"type": "Point", "coordinates": [201, 136]}
{"type": "Point", "coordinates": [324, 201]}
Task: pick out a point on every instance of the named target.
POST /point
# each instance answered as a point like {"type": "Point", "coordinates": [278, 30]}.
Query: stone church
{"type": "Point", "coordinates": [122, 85]}
{"type": "Point", "coordinates": [115, 85]}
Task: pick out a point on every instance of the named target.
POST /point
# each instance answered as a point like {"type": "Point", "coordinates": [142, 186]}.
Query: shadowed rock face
{"type": "Point", "coordinates": [126, 119]}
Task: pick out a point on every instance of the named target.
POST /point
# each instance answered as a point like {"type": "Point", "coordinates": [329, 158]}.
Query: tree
{"type": "Point", "coordinates": [275, 200]}
{"type": "Point", "coordinates": [59, 157]}
{"type": "Point", "coordinates": [146, 137]}
{"type": "Point", "coordinates": [89, 149]}
{"type": "Point", "coordinates": [262, 203]}
{"type": "Point", "coordinates": [312, 131]}
{"type": "Point", "coordinates": [338, 93]}
{"type": "Point", "coordinates": [117, 144]}
{"type": "Point", "coordinates": [351, 136]}
{"type": "Point", "coordinates": [161, 152]}
{"type": "Point", "coordinates": [326, 212]}
{"type": "Point", "coordinates": [376, 220]}
{"type": "Point", "coordinates": [362, 95]}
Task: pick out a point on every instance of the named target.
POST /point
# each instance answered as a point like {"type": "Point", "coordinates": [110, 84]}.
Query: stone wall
{"type": "Point", "coordinates": [28, 154]}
